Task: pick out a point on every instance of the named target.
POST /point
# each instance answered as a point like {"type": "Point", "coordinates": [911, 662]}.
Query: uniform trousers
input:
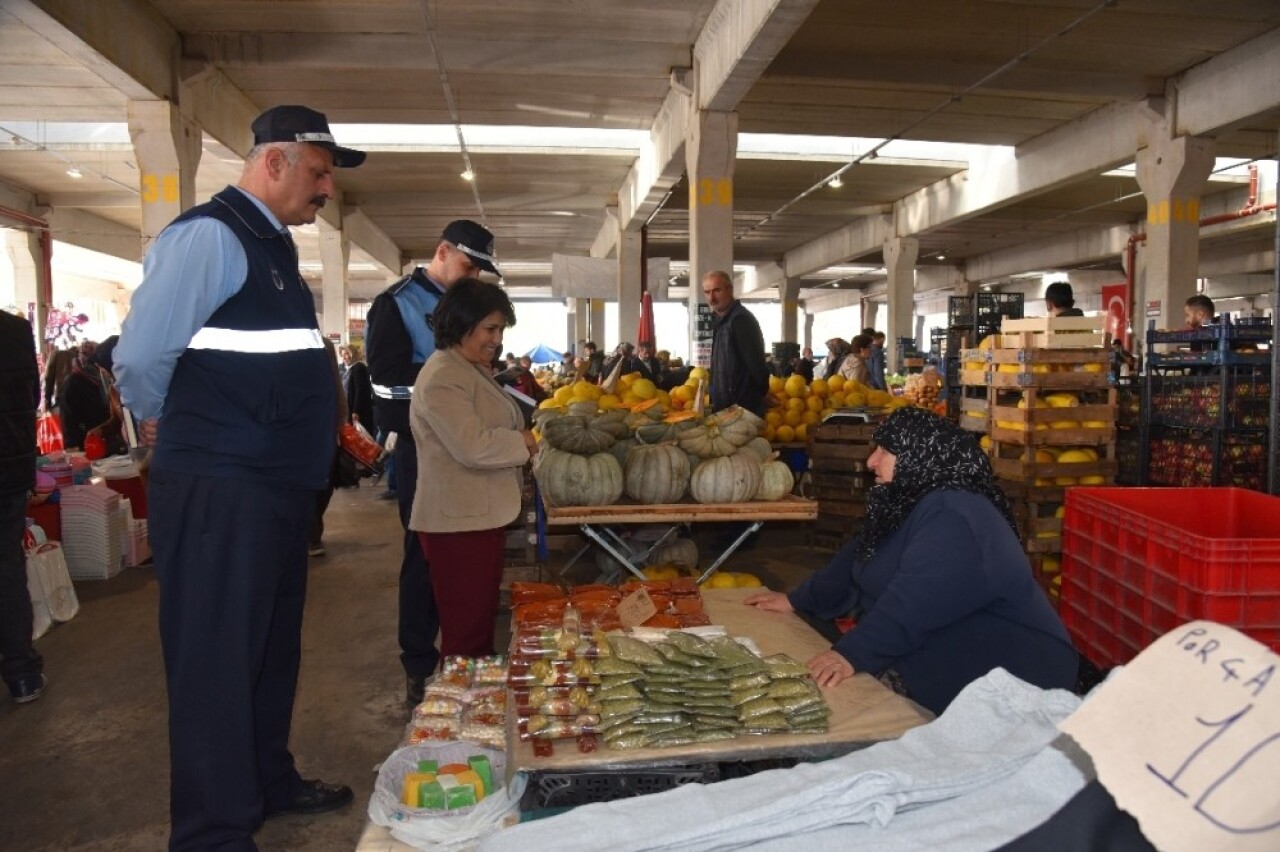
{"type": "Point", "coordinates": [231, 563]}
{"type": "Point", "coordinates": [419, 617]}
{"type": "Point", "coordinates": [466, 572]}
{"type": "Point", "coordinates": [18, 659]}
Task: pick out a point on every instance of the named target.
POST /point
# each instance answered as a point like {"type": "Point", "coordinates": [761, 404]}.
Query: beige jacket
{"type": "Point", "coordinates": [855, 369]}
{"type": "Point", "coordinates": [470, 450]}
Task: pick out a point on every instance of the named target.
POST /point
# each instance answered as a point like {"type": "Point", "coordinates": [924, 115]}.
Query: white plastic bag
{"type": "Point", "coordinates": [427, 829]}
{"type": "Point", "coordinates": [53, 597]}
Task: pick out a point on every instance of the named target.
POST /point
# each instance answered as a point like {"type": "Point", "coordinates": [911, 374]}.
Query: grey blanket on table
{"type": "Point", "coordinates": [984, 772]}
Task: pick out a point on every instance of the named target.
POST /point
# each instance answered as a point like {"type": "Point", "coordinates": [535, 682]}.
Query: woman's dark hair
{"type": "Point", "coordinates": [464, 306]}
{"type": "Point", "coordinates": [861, 342]}
{"type": "Point", "coordinates": [1059, 295]}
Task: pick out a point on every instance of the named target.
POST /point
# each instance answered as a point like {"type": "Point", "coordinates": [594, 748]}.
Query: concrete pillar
{"type": "Point", "coordinates": [167, 147]}
{"type": "Point", "coordinates": [1171, 173]}
{"type": "Point", "coordinates": [789, 290]}
{"type": "Point", "coordinates": [335, 254]}
{"type": "Point", "coordinates": [630, 267]}
{"type": "Point", "coordinates": [31, 293]}
{"type": "Point", "coordinates": [808, 331]}
{"type": "Point", "coordinates": [595, 327]}
{"type": "Point", "coordinates": [581, 318]}
{"type": "Point", "coordinates": [571, 322]}
{"type": "Point", "coordinates": [900, 255]}
{"type": "Point", "coordinates": [870, 309]}
{"type": "Point", "coordinates": [710, 152]}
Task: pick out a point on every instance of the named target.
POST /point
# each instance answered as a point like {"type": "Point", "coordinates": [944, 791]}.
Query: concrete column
{"type": "Point", "coordinates": [167, 147]}
{"type": "Point", "coordinates": [335, 254]}
{"type": "Point", "coordinates": [581, 319]}
{"type": "Point", "coordinates": [808, 330]}
{"type": "Point", "coordinates": [630, 267]}
{"type": "Point", "coordinates": [595, 327]}
{"type": "Point", "coordinates": [30, 288]}
{"type": "Point", "coordinates": [900, 255]}
{"type": "Point", "coordinates": [1171, 173]}
{"type": "Point", "coordinates": [789, 290]}
{"type": "Point", "coordinates": [711, 149]}
{"type": "Point", "coordinates": [571, 322]}
{"type": "Point", "coordinates": [870, 309]}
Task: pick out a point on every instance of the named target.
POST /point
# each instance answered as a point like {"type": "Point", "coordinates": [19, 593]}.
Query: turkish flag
{"type": "Point", "coordinates": [1115, 301]}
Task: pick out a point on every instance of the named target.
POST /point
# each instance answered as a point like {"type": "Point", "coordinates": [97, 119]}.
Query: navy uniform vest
{"type": "Point", "coordinates": [253, 396]}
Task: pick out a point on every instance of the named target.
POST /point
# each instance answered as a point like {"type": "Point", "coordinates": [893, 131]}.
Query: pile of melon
{"type": "Point", "coordinates": [795, 406]}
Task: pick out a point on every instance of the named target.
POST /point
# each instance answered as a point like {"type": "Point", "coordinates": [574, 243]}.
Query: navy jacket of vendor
{"type": "Point", "coordinates": [253, 396]}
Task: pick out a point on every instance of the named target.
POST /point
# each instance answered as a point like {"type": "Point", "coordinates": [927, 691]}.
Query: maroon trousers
{"type": "Point", "coordinates": [466, 573]}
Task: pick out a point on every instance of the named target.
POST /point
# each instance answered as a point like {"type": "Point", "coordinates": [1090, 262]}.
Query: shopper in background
{"type": "Point", "coordinates": [21, 666]}
{"type": "Point", "coordinates": [837, 350]}
{"type": "Point", "coordinates": [739, 373]}
{"type": "Point", "coordinates": [649, 362]}
{"type": "Point", "coordinates": [85, 404]}
{"type": "Point", "coordinates": [566, 366]}
{"type": "Point", "coordinates": [398, 342]}
{"type": "Point", "coordinates": [876, 361]}
{"type": "Point", "coordinates": [591, 367]}
{"type": "Point", "coordinates": [854, 367]}
{"type": "Point", "coordinates": [222, 361]}
{"type": "Point", "coordinates": [473, 444]}
{"type": "Point", "coordinates": [357, 388]}
{"type": "Point", "coordinates": [55, 373]}
{"type": "Point", "coordinates": [1199, 311]}
{"type": "Point", "coordinates": [1060, 301]}
{"type": "Point", "coordinates": [937, 574]}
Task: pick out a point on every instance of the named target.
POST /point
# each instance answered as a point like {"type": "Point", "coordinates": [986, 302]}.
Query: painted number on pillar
{"type": "Point", "coordinates": [715, 192]}
{"type": "Point", "coordinates": [1173, 210]}
{"type": "Point", "coordinates": [157, 188]}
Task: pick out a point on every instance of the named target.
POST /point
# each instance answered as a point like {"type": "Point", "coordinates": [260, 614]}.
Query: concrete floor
{"type": "Point", "coordinates": [86, 766]}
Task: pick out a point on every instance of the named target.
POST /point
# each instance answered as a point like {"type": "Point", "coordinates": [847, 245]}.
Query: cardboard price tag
{"type": "Point", "coordinates": [1187, 740]}
{"type": "Point", "coordinates": [636, 608]}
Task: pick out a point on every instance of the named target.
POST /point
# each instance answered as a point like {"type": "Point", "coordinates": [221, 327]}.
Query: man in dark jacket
{"type": "Point", "coordinates": [1060, 301]}
{"type": "Point", "coordinates": [20, 664]}
{"type": "Point", "coordinates": [739, 374]}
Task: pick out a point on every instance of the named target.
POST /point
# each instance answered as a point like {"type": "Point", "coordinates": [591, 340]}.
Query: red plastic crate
{"type": "Point", "coordinates": [1138, 562]}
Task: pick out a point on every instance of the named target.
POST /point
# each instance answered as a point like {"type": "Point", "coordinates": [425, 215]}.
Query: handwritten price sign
{"type": "Point", "coordinates": [1187, 739]}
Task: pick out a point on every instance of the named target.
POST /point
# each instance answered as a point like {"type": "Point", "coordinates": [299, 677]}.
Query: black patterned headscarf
{"type": "Point", "coordinates": [932, 455]}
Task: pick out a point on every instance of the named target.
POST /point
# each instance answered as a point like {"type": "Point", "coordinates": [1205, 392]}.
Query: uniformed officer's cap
{"type": "Point", "coordinates": [300, 124]}
{"type": "Point", "coordinates": [473, 240]}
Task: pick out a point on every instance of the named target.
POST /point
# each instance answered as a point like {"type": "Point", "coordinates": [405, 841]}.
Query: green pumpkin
{"type": "Point", "coordinates": [760, 448]}
{"type": "Point", "coordinates": [576, 434]}
{"type": "Point", "coordinates": [571, 479]}
{"type": "Point", "coordinates": [776, 481]}
{"type": "Point", "coordinates": [728, 479]}
{"type": "Point", "coordinates": [656, 473]}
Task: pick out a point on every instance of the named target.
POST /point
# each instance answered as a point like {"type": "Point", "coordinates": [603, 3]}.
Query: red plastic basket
{"type": "Point", "coordinates": [1138, 562]}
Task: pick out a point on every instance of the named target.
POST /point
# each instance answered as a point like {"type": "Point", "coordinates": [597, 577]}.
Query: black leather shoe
{"type": "Point", "coordinates": [415, 687]}
{"type": "Point", "coordinates": [317, 797]}
{"type": "Point", "coordinates": [27, 689]}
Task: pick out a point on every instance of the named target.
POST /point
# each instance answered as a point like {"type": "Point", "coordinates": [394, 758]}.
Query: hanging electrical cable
{"type": "Point", "coordinates": [72, 164]}
{"type": "Point", "coordinates": [468, 173]}
{"type": "Point", "coordinates": [954, 99]}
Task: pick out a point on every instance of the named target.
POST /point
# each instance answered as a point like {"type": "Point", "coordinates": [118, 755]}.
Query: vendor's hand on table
{"type": "Point", "coordinates": [769, 602]}
{"type": "Point", "coordinates": [147, 431]}
{"type": "Point", "coordinates": [830, 668]}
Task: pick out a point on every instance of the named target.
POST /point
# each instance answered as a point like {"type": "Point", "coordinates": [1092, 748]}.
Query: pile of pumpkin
{"type": "Point", "coordinates": [795, 406]}
{"type": "Point", "coordinates": [591, 456]}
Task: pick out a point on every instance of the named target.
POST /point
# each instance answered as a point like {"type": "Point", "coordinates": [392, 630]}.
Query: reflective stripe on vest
{"type": "Point", "coordinates": [398, 392]}
{"type": "Point", "coordinates": [257, 342]}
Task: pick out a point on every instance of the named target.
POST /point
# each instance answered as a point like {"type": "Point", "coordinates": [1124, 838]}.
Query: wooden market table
{"type": "Point", "coordinates": [863, 711]}
{"type": "Point", "coordinates": [597, 522]}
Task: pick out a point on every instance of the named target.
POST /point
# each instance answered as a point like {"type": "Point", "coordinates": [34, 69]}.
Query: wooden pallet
{"type": "Point", "coordinates": [1052, 333]}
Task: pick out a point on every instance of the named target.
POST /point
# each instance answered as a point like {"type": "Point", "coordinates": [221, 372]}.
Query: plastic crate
{"type": "Point", "coordinates": [570, 789]}
{"type": "Point", "coordinates": [1138, 562]}
{"type": "Point", "coordinates": [1197, 402]}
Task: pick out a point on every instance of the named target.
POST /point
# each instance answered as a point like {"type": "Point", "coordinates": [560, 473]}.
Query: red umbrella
{"type": "Point", "coordinates": [646, 334]}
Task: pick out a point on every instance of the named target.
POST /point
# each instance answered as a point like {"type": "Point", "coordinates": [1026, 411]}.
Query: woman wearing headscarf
{"type": "Point", "coordinates": [938, 574]}
{"type": "Point", "coordinates": [472, 446]}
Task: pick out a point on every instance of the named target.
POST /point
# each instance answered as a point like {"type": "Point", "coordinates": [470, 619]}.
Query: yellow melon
{"type": "Point", "coordinates": [773, 418]}
{"type": "Point", "coordinates": [810, 417]}
{"type": "Point", "coordinates": [802, 432]}
{"type": "Point", "coordinates": [1095, 367]}
{"type": "Point", "coordinates": [792, 419]}
{"type": "Point", "coordinates": [785, 434]}
{"type": "Point", "coordinates": [644, 388]}
{"type": "Point", "coordinates": [814, 403]}
{"type": "Point", "coordinates": [1062, 400]}
{"type": "Point", "coordinates": [794, 386]}
{"type": "Point", "coordinates": [835, 383]}
{"type": "Point", "coordinates": [775, 384]}
{"type": "Point", "coordinates": [563, 395]}
{"type": "Point", "coordinates": [836, 399]}
{"type": "Point", "coordinates": [796, 404]}
{"type": "Point", "coordinates": [608, 401]}
{"type": "Point", "coordinates": [819, 387]}
{"type": "Point", "coordinates": [1093, 480]}
{"type": "Point", "coordinates": [1064, 480]}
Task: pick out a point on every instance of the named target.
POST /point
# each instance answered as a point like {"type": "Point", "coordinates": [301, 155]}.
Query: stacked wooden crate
{"type": "Point", "coordinates": [838, 456]}
{"type": "Point", "coordinates": [1052, 424]}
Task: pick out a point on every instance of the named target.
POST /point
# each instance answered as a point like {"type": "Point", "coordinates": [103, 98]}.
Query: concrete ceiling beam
{"type": "Point", "coordinates": [91, 200]}
{"type": "Point", "coordinates": [833, 300]}
{"type": "Point", "coordinates": [125, 42]}
{"type": "Point", "coordinates": [365, 233]}
{"type": "Point", "coordinates": [1060, 251]}
{"type": "Point", "coordinates": [93, 232]}
{"type": "Point", "coordinates": [857, 239]}
{"type": "Point", "coordinates": [738, 42]}
{"type": "Point", "coordinates": [1230, 88]}
{"type": "Point", "coordinates": [221, 109]}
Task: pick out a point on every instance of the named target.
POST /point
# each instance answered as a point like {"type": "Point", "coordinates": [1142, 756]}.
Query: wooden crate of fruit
{"type": "Point", "coordinates": [1042, 466]}
{"type": "Point", "coordinates": [1048, 417]}
{"type": "Point", "coordinates": [1052, 333]}
{"type": "Point", "coordinates": [1051, 369]}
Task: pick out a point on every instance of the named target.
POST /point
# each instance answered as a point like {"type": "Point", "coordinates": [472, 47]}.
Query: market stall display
{"type": "Point", "coordinates": [970, 321]}
{"type": "Point", "coordinates": [796, 407]}
{"type": "Point", "coordinates": [466, 701]}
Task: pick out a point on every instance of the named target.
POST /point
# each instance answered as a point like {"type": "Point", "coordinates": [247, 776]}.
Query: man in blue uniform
{"type": "Point", "coordinates": [222, 361]}
{"type": "Point", "coordinates": [398, 342]}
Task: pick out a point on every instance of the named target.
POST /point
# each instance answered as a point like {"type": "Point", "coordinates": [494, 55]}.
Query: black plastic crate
{"type": "Point", "coordinates": [1255, 329]}
{"type": "Point", "coordinates": [569, 789]}
{"type": "Point", "coordinates": [960, 312]}
{"type": "Point", "coordinates": [994, 308]}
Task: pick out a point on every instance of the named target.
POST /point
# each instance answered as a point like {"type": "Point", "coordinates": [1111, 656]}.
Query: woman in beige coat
{"type": "Point", "coordinates": [471, 449]}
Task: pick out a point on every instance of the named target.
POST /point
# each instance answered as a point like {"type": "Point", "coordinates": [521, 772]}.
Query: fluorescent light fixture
{"type": "Point", "coordinates": [74, 172]}
{"type": "Point", "coordinates": [835, 182]}
{"type": "Point", "coordinates": [468, 175]}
